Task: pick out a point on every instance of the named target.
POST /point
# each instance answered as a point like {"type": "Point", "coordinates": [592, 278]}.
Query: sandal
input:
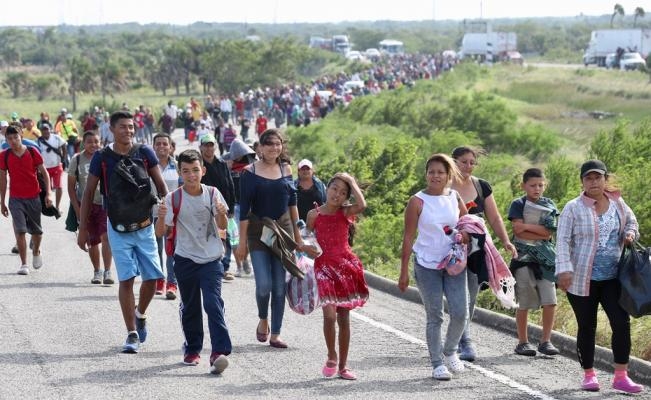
{"type": "Point", "coordinates": [262, 337]}
{"type": "Point", "coordinates": [329, 369]}
{"type": "Point", "coordinates": [347, 374]}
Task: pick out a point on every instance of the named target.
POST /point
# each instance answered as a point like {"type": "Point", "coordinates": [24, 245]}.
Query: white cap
{"type": "Point", "coordinates": [4, 124]}
{"type": "Point", "coordinates": [305, 163]}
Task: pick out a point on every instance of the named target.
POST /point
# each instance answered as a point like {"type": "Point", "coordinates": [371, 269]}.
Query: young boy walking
{"type": "Point", "coordinates": [130, 229]}
{"type": "Point", "coordinates": [21, 165]}
{"type": "Point", "coordinates": [197, 212]}
{"type": "Point", "coordinates": [534, 220]}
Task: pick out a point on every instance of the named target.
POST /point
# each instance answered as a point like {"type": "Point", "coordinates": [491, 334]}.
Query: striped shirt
{"type": "Point", "coordinates": [577, 238]}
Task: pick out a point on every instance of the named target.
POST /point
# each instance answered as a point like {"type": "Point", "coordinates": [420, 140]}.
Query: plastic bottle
{"type": "Point", "coordinates": [308, 237]}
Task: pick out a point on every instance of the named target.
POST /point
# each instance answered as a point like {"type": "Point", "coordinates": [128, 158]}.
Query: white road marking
{"type": "Point", "coordinates": [488, 373]}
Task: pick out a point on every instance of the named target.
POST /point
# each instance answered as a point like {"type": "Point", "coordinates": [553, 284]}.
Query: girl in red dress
{"type": "Point", "coordinates": [339, 272]}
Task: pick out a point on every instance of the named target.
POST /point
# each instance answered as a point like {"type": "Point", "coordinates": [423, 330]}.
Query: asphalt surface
{"type": "Point", "coordinates": [61, 336]}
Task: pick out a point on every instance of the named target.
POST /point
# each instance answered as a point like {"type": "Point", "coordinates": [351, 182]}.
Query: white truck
{"type": "Point", "coordinates": [606, 41]}
{"type": "Point", "coordinates": [490, 46]}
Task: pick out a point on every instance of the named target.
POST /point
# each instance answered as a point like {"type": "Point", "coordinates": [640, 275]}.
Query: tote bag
{"type": "Point", "coordinates": [634, 274]}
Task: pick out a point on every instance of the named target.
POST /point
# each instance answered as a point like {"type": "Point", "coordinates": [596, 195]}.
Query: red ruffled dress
{"type": "Point", "coordinates": [339, 272]}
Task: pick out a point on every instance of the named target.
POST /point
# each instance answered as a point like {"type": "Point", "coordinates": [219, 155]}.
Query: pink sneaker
{"type": "Point", "coordinates": [627, 385]}
{"type": "Point", "coordinates": [590, 383]}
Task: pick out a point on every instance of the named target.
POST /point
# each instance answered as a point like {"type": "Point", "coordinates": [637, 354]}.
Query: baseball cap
{"type": "Point", "coordinates": [4, 124]}
{"type": "Point", "coordinates": [593, 166]}
{"type": "Point", "coordinates": [68, 116]}
{"type": "Point", "coordinates": [305, 163]}
{"type": "Point", "coordinates": [208, 139]}
{"type": "Point", "coordinates": [14, 115]}
{"type": "Point", "coordinates": [64, 111]}
{"type": "Point", "coordinates": [45, 125]}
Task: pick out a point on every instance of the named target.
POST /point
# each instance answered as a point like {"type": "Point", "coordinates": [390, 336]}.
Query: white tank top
{"type": "Point", "coordinates": [432, 244]}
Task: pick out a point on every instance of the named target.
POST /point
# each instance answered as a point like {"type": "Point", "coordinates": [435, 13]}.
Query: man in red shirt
{"type": "Point", "coordinates": [260, 123]}
{"type": "Point", "coordinates": [21, 164]}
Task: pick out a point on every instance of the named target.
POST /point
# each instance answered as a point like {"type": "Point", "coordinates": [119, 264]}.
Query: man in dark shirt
{"type": "Point", "coordinates": [310, 189]}
{"type": "Point", "coordinates": [219, 176]}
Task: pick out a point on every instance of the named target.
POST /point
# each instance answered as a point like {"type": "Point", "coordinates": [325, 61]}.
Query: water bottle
{"type": "Point", "coordinates": [308, 237]}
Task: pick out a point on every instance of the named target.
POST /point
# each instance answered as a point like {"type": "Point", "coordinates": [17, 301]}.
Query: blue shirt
{"type": "Point", "coordinates": [26, 142]}
{"type": "Point", "coordinates": [146, 153]}
{"type": "Point", "coordinates": [265, 197]}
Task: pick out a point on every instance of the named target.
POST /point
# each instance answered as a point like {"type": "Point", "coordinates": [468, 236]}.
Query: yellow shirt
{"type": "Point", "coordinates": [32, 134]}
{"type": "Point", "coordinates": [66, 129]}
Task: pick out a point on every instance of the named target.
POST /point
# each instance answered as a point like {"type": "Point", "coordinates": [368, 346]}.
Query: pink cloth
{"type": "Point", "coordinates": [500, 279]}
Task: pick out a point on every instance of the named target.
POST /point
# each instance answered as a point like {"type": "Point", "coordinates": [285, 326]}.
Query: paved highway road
{"type": "Point", "coordinates": [60, 338]}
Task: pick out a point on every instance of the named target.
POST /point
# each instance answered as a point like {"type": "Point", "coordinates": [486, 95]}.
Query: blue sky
{"type": "Point", "coordinates": [90, 12]}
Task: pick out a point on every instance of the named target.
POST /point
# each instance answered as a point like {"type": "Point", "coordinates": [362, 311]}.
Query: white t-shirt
{"type": "Point", "coordinates": [50, 158]}
{"type": "Point", "coordinates": [432, 244]}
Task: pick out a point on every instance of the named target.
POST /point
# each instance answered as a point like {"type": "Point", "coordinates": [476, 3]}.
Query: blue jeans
{"type": "Point", "coordinates": [197, 281]}
{"type": "Point", "coordinates": [228, 249]}
{"type": "Point", "coordinates": [473, 290]}
{"type": "Point", "coordinates": [269, 276]}
{"type": "Point", "coordinates": [433, 284]}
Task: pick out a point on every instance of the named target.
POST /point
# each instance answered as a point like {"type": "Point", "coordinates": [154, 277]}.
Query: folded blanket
{"type": "Point", "coordinates": [500, 279]}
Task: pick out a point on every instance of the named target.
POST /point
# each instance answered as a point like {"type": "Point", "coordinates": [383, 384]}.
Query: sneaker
{"type": "Point", "coordinates": [218, 363]}
{"type": "Point", "coordinates": [141, 328]}
{"type": "Point", "coordinates": [525, 349]}
{"type": "Point", "coordinates": [467, 351]}
{"type": "Point", "coordinates": [238, 273]}
{"type": "Point", "coordinates": [37, 261]}
{"type": "Point", "coordinates": [160, 286]}
{"type": "Point", "coordinates": [627, 385]}
{"type": "Point", "coordinates": [23, 270]}
{"type": "Point", "coordinates": [228, 276]}
{"type": "Point", "coordinates": [548, 349]}
{"type": "Point", "coordinates": [132, 343]}
{"type": "Point", "coordinates": [108, 278]}
{"type": "Point", "coordinates": [97, 278]}
{"type": "Point", "coordinates": [441, 373]}
{"type": "Point", "coordinates": [170, 294]}
{"type": "Point", "coordinates": [14, 250]}
{"type": "Point", "coordinates": [192, 359]}
{"type": "Point", "coordinates": [590, 383]}
{"type": "Point", "coordinates": [246, 266]}
{"type": "Point", "coordinates": [454, 364]}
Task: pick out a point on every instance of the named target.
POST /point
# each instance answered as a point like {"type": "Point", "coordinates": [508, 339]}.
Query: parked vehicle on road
{"type": "Point", "coordinates": [631, 61]}
{"type": "Point", "coordinates": [606, 41]}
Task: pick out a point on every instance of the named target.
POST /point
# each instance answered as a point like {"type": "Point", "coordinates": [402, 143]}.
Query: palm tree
{"type": "Point", "coordinates": [639, 12]}
{"type": "Point", "coordinates": [618, 9]}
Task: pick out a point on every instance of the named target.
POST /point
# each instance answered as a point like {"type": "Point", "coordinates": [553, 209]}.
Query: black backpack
{"type": "Point", "coordinates": [128, 190]}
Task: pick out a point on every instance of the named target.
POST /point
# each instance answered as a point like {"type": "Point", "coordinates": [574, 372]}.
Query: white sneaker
{"type": "Point", "coordinates": [454, 364]}
{"type": "Point", "coordinates": [441, 373]}
{"type": "Point", "coordinates": [24, 270]}
{"type": "Point", "coordinates": [37, 262]}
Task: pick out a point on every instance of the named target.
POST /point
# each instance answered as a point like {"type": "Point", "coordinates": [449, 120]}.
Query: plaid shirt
{"type": "Point", "coordinates": [578, 234]}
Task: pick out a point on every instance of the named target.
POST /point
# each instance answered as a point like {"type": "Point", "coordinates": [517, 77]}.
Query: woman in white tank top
{"type": "Point", "coordinates": [428, 213]}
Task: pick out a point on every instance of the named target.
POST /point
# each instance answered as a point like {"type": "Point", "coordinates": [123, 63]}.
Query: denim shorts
{"type": "Point", "coordinates": [135, 253]}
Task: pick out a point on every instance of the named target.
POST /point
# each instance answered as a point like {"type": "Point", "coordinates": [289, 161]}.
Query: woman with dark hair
{"type": "Point", "coordinates": [592, 230]}
{"type": "Point", "coordinates": [267, 190]}
{"type": "Point", "coordinates": [477, 194]}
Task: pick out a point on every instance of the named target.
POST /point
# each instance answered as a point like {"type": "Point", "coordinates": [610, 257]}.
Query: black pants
{"type": "Point", "coordinates": [585, 308]}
